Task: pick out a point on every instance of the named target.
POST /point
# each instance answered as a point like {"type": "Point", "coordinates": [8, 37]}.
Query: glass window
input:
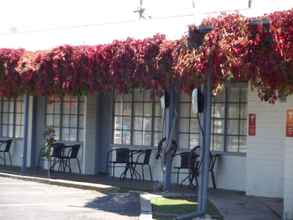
{"type": "Point", "coordinates": [229, 112]}
{"type": "Point", "coordinates": [137, 118]}
{"type": "Point", "coordinates": [66, 116]}
{"type": "Point", "coordinates": [12, 117]}
{"type": "Point", "coordinates": [188, 130]}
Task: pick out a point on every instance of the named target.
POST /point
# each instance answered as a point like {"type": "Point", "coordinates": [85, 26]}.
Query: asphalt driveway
{"type": "Point", "coordinates": [36, 201]}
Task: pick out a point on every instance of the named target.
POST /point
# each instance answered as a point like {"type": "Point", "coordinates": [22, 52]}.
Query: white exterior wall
{"type": "Point", "coordinates": [288, 169]}
{"type": "Point", "coordinates": [265, 166]}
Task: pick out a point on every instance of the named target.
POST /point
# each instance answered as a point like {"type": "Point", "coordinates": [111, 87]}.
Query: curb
{"type": "Point", "coordinates": [145, 207]}
{"type": "Point", "coordinates": [59, 182]}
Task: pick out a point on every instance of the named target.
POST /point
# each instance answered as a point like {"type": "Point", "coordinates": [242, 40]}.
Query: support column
{"type": "Point", "coordinates": [169, 117]}
{"type": "Point", "coordinates": [89, 146]}
{"type": "Point", "coordinates": [26, 133]}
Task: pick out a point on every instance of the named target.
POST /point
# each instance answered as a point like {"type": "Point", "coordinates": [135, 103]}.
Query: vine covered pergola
{"type": "Point", "coordinates": [258, 50]}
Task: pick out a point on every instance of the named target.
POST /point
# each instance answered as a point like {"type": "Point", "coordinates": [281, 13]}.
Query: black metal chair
{"type": "Point", "coordinates": [6, 150]}
{"type": "Point", "coordinates": [189, 164]}
{"type": "Point", "coordinates": [143, 160]}
{"type": "Point", "coordinates": [213, 160]}
{"type": "Point", "coordinates": [56, 155]}
{"type": "Point", "coordinates": [72, 155]}
{"type": "Point", "coordinates": [122, 159]}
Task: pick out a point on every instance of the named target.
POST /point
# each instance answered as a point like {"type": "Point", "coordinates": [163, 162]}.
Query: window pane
{"type": "Point", "coordinates": [81, 135]}
{"type": "Point", "coordinates": [56, 119]}
{"type": "Point", "coordinates": [243, 127]}
{"type": "Point", "coordinates": [218, 126]}
{"type": "Point", "coordinates": [65, 134]}
{"type": "Point", "coordinates": [147, 124]}
{"type": "Point", "coordinates": [158, 124]}
{"type": "Point", "coordinates": [73, 121]}
{"type": "Point", "coordinates": [49, 120]}
{"type": "Point", "coordinates": [138, 109]}
{"type": "Point", "coordinates": [148, 96]}
{"type": "Point", "coordinates": [194, 127]}
{"type": "Point", "coordinates": [232, 143]}
{"type": "Point", "coordinates": [243, 94]}
{"type": "Point", "coordinates": [243, 111]}
{"type": "Point", "coordinates": [157, 138]}
{"type": "Point", "coordinates": [147, 109]}
{"type": "Point", "coordinates": [185, 97]}
{"type": "Point", "coordinates": [194, 140]}
{"type": "Point", "coordinates": [126, 121]}
{"type": "Point", "coordinates": [233, 127]}
{"type": "Point", "coordinates": [118, 122]}
{"type": "Point", "coordinates": [183, 141]}
{"type": "Point", "coordinates": [127, 109]}
{"type": "Point", "coordinates": [218, 142]}
{"type": "Point", "coordinates": [126, 137]}
{"type": "Point", "coordinates": [185, 110]}
{"type": "Point", "coordinates": [233, 111]}
{"type": "Point", "coordinates": [127, 97]}
{"type": "Point", "coordinates": [242, 144]}
{"type": "Point", "coordinates": [137, 138]}
{"type": "Point", "coordinates": [66, 121]}
{"type": "Point", "coordinates": [220, 97]}
{"type": "Point", "coordinates": [147, 138]}
{"type": "Point", "coordinates": [138, 95]}
{"type": "Point", "coordinates": [219, 110]}
{"type": "Point", "coordinates": [118, 108]}
{"type": "Point", "coordinates": [138, 123]}
{"type": "Point", "coordinates": [233, 94]}
{"type": "Point", "coordinates": [158, 110]}
{"type": "Point", "coordinates": [117, 137]}
{"type": "Point", "coordinates": [184, 125]}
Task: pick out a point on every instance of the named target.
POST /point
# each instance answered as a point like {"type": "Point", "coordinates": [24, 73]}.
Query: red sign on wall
{"type": "Point", "coordinates": [289, 123]}
{"type": "Point", "coordinates": [251, 124]}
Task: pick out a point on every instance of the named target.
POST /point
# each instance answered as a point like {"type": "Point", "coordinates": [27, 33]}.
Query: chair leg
{"type": "Point", "coordinates": [113, 170]}
{"type": "Point", "coordinates": [213, 179]}
{"type": "Point", "coordinates": [151, 174]}
{"type": "Point", "coordinates": [9, 155]}
{"type": "Point", "coordinates": [78, 165]}
{"type": "Point", "coordinates": [4, 155]}
{"type": "Point", "coordinates": [142, 172]}
{"type": "Point", "coordinates": [177, 176]}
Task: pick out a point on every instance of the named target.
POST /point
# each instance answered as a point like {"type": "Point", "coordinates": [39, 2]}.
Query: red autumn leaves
{"type": "Point", "coordinates": [236, 49]}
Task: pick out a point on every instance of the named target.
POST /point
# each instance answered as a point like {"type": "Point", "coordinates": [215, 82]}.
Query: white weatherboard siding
{"type": "Point", "coordinates": [231, 172]}
{"type": "Point", "coordinates": [288, 168]}
{"type": "Point", "coordinates": [265, 166]}
{"type": "Point", "coordinates": [288, 179]}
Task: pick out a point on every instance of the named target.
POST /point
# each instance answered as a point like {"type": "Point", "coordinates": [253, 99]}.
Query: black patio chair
{"type": "Point", "coordinates": [122, 159]}
{"type": "Point", "coordinates": [143, 160]}
{"type": "Point", "coordinates": [213, 160]}
{"type": "Point", "coordinates": [71, 155]}
{"type": "Point", "coordinates": [56, 156]}
{"type": "Point", "coordinates": [5, 146]}
{"type": "Point", "coordinates": [189, 165]}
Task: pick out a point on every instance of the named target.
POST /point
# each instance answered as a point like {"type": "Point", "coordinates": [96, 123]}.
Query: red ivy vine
{"type": "Point", "coordinates": [258, 50]}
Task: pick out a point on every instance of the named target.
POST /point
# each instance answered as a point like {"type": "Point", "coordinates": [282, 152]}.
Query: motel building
{"type": "Point", "coordinates": [256, 151]}
{"type": "Point", "coordinates": [254, 138]}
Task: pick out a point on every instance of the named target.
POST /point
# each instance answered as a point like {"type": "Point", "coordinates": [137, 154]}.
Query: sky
{"type": "Point", "coordinates": [43, 24]}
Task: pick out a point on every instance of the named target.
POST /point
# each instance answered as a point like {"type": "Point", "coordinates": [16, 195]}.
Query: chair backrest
{"type": "Point", "coordinates": [122, 155]}
{"type": "Point", "coordinates": [185, 160]}
{"type": "Point", "coordinates": [74, 151]}
{"type": "Point", "coordinates": [57, 149]}
{"type": "Point", "coordinates": [147, 156]}
{"type": "Point", "coordinates": [8, 145]}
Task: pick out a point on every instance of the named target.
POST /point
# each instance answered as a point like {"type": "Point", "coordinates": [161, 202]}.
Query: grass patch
{"type": "Point", "coordinates": [169, 208]}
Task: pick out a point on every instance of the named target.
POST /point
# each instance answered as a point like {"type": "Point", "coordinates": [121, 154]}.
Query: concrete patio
{"type": "Point", "coordinates": [231, 204]}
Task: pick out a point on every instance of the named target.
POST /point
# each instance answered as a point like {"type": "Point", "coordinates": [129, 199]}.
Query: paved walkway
{"type": "Point", "coordinates": [235, 205]}
{"type": "Point", "coordinates": [33, 201]}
